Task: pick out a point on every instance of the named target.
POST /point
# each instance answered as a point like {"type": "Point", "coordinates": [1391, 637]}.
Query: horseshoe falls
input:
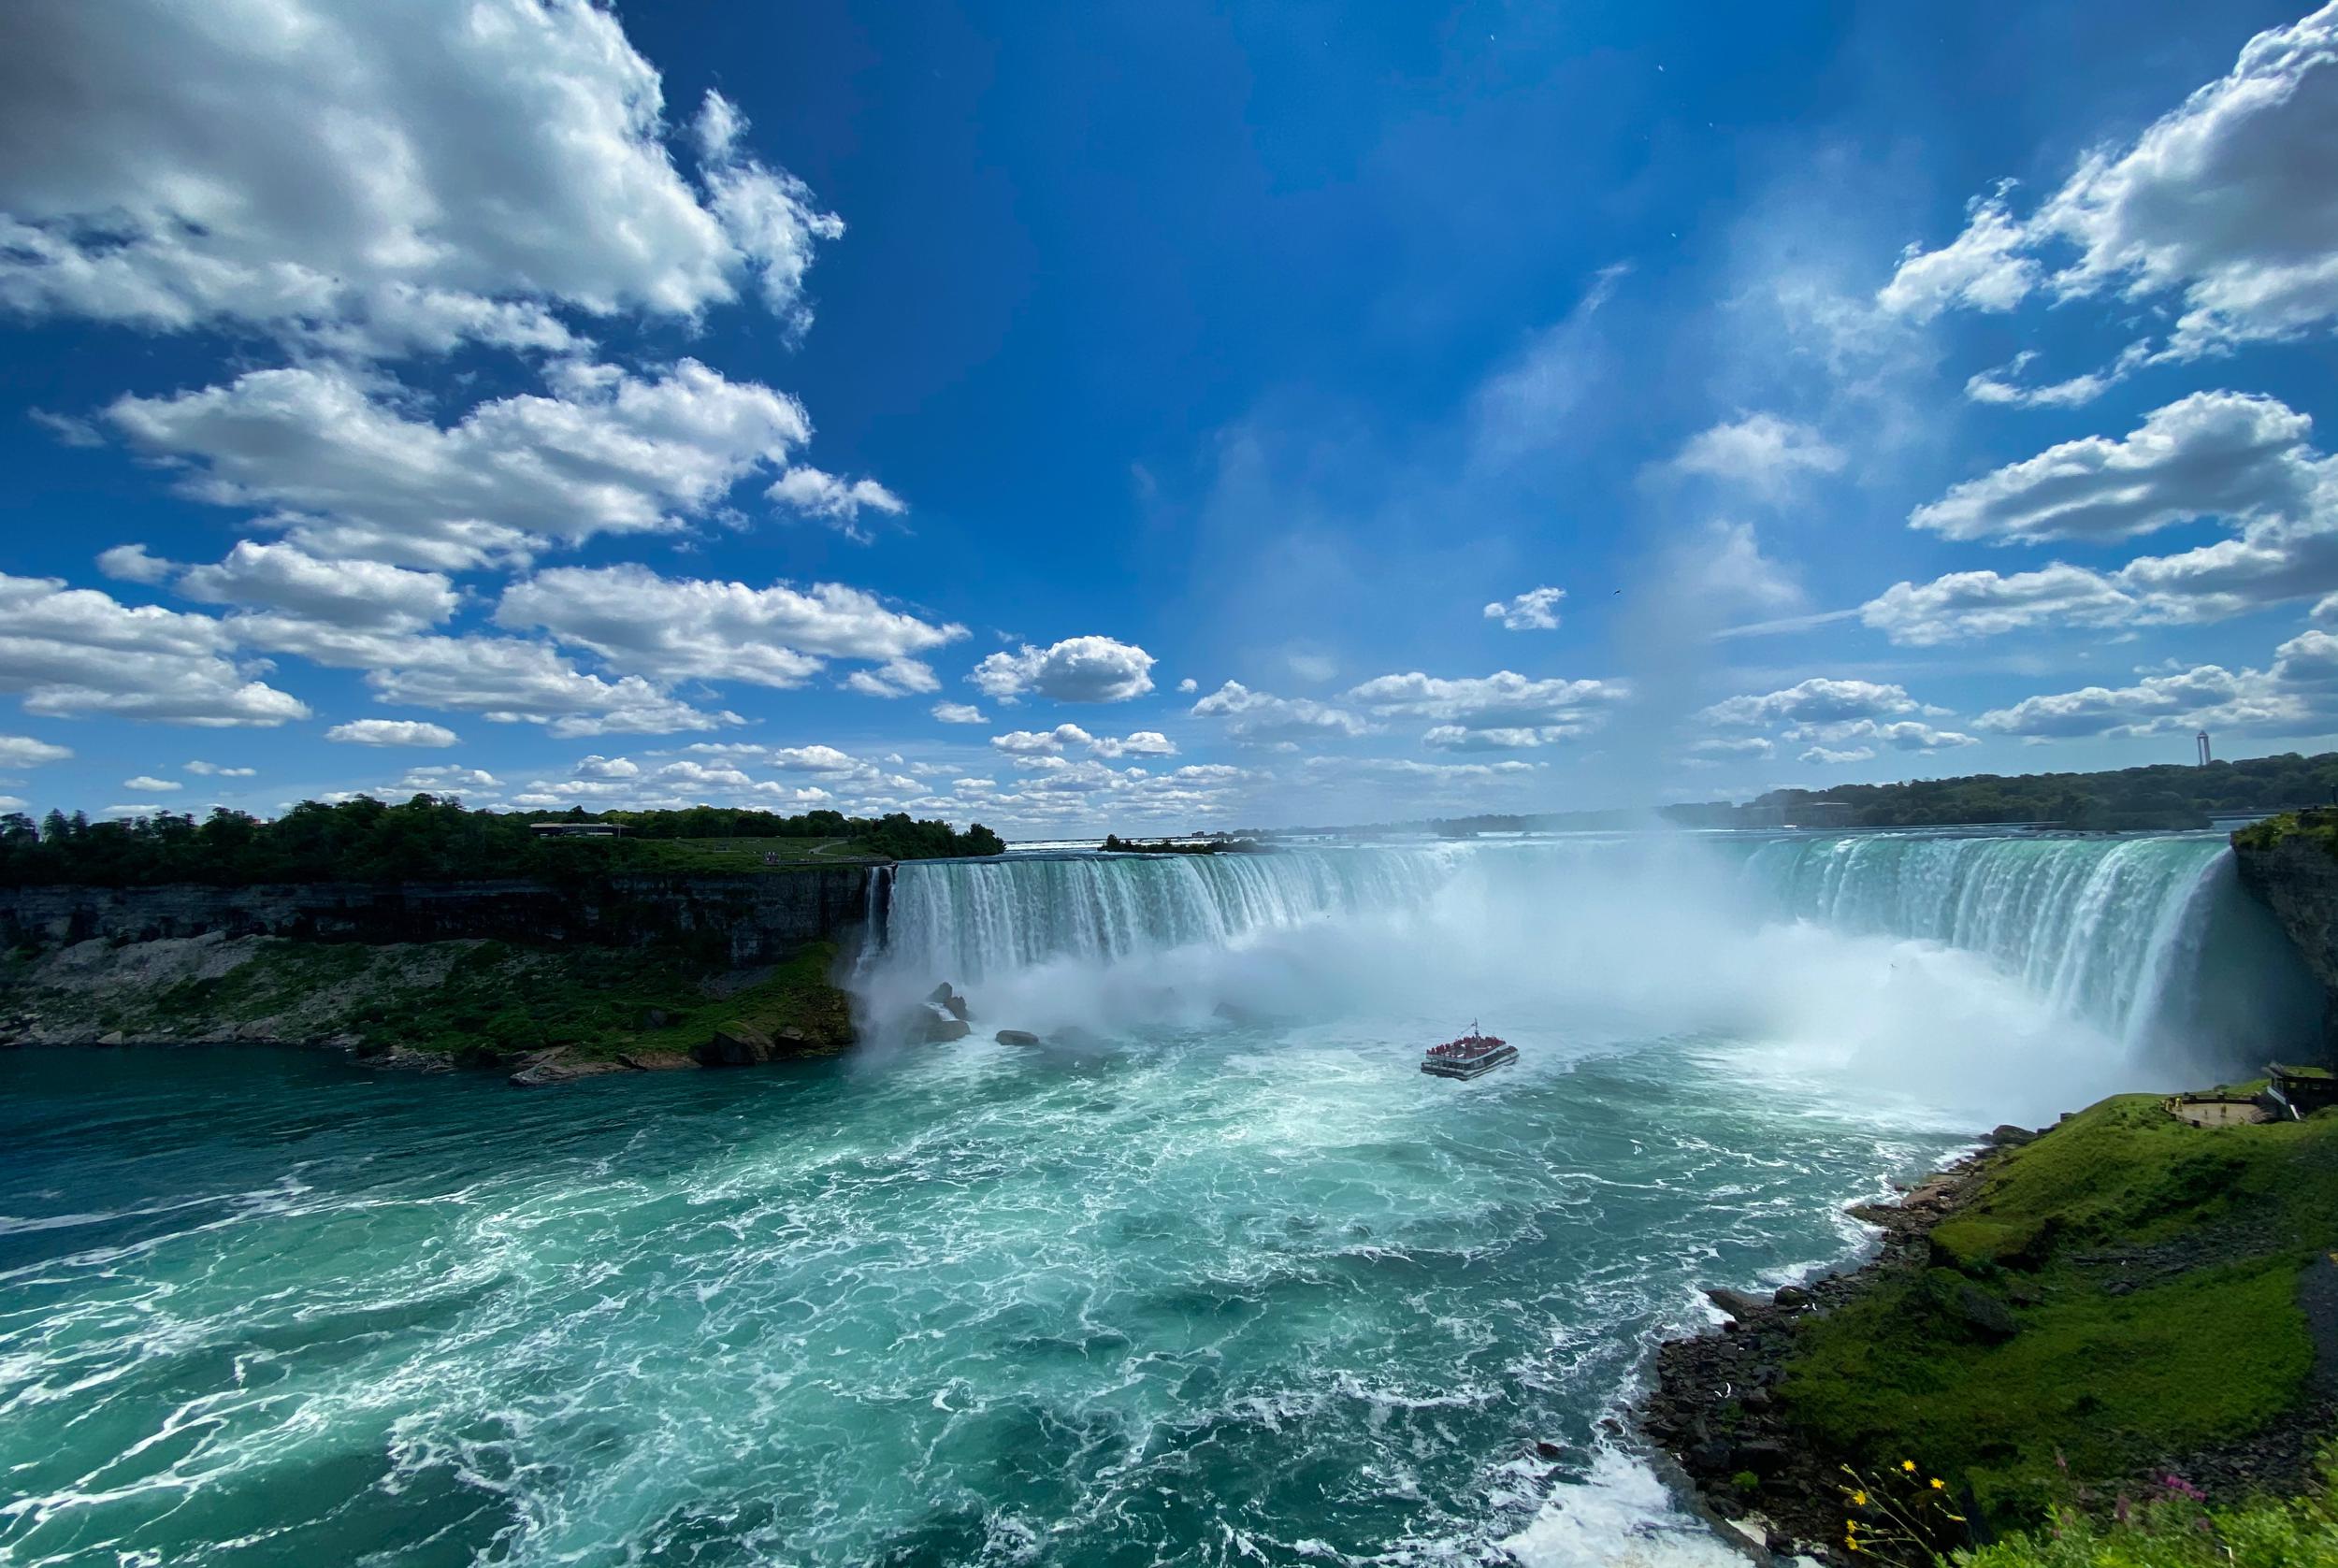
{"type": "Point", "coordinates": [1211, 1275]}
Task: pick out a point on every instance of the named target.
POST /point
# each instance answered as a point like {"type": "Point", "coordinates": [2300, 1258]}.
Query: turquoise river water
{"type": "Point", "coordinates": [1215, 1276]}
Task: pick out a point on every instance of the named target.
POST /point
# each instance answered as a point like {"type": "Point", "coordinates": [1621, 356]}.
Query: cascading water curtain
{"type": "Point", "coordinates": [965, 919]}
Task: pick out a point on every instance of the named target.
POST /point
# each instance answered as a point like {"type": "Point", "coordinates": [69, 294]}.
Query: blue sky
{"type": "Point", "coordinates": [1269, 414]}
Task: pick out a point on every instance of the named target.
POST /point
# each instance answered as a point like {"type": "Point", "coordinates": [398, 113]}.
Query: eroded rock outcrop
{"type": "Point", "coordinates": [2289, 864]}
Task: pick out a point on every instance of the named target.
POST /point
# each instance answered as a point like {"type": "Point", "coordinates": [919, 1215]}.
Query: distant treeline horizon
{"type": "Point", "coordinates": [424, 839]}
{"type": "Point", "coordinates": [2157, 796]}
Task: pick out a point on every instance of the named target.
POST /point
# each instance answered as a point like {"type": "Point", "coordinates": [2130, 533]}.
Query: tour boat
{"type": "Point", "coordinates": [1469, 1055]}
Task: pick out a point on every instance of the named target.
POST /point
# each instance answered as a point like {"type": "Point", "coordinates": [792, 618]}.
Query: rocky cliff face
{"type": "Point", "coordinates": [760, 918]}
{"type": "Point", "coordinates": [2296, 876]}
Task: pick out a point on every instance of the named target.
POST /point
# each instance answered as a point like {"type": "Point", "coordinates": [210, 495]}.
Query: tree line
{"type": "Point", "coordinates": [2163, 795]}
{"type": "Point", "coordinates": [2159, 795]}
{"type": "Point", "coordinates": [427, 839]}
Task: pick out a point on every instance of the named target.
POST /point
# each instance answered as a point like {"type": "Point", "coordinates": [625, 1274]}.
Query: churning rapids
{"type": "Point", "coordinates": [1213, 1277]}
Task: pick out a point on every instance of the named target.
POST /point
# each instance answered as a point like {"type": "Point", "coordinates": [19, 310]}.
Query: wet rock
{"type": "Point", "coordinates": [1549, 1451]}
{"type": "Point", "coordinates": [542, 1069]}
{"type": "Point", "coordinates": [1016, 1037]}
{"type": "Point", "coordinates": [735, 1046]}
{"type": "Point", "coordinates": [657, 1061]}
{"type": "Point", "coordinates": [1791, 1297]}
{"type": "Point", "coordinates": [1710, 1458]}
{"type": "Point", "coordinates": [945, 997]}
{"type": "Point", "coordinates": [1736, 1303]}
{"type": "Point", "coordinates": [1762, 1455]}
{"type": "Point", "coordinates": [943, 1030]}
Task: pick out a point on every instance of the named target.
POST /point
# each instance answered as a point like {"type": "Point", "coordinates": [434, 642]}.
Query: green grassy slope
{"type": "Point", "coordinates": [2151, 1271]}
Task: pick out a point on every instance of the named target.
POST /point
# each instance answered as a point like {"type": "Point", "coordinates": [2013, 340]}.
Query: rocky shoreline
{"type": "Point", "coordinates": [1713, 1410]}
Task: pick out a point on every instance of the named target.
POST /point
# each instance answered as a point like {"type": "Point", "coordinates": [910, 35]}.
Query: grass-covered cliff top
{"type": "Point", "coordinates": [427, 839]}
{"type": "Point", "coordinates": [2123, 1295]}
{"type": "Point", "coordinates": [2317, 827]}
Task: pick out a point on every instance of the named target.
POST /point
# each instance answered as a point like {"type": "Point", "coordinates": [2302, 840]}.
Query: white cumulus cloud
{"type": "Point", "coordinates": [373, 179]}
{"type": "Point", "coordinates": [1077, 669]}
{"type": "Point", "coordinates": [2225, 205]}
{"type": "Point", "coordinates": [326, 453]}
{"type": "Point", "coordinates": [679, 628]}
{"type": "Point", "coordinates": [22, 751]}
{"type": "Point", "coordinates": [391, 732]}
{"type": "Point", "coordinates": [1536, 609]}
{"type": "Point", "coordinates": [73, 651]}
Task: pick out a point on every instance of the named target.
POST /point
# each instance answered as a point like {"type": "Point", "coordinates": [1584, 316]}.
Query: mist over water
{"type": "Point", "coordinates": [2002, 972]}
{"type": "Point", "coordinates": [1215, 1275]}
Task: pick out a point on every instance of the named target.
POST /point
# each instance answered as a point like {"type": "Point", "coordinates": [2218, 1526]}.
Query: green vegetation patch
{"type": "Point", "coordinates": [2173, 1530]}
{"type": "Point", "coordinates": [1976, 1245]}
{"type": "Point", "coordinates": [2108, 1381]}
{"type": "Point", "coordinates": [461, 997]}
{"type": "Point", "coordinates": [2122, 1292]}
{"type": "Point", "coordinates": [2311, 827]}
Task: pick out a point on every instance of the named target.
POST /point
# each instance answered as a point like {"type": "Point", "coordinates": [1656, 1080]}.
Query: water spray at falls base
{"type": "Point", "coordinates": [1996, 975]}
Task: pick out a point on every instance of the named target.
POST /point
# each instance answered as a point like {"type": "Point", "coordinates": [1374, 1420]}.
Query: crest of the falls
{"type": "Point", "coordinates": [977, 917]}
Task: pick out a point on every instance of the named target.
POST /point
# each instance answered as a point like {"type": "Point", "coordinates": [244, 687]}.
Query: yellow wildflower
{"type": "Point", "coordinates": [1858, 1500]}
{"type": "Point", "coordinates": [1908, 1465]}
{"type": "Point", "coordinates": [1939, 1485]}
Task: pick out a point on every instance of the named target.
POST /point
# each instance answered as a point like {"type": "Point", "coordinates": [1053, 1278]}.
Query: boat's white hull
{"type": "Point", "coordinates": [1470, 1067]}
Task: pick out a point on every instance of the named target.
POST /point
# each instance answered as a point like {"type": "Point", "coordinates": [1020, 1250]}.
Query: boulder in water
{"type": "Point", "coordinates": [945, 997]}
{"type": "Point", "coordinates": [1016, 1037]}
{"type": "Point", "coordinates": [541, 1068]}
{"type": "Point", "coordinates": [1736, 1303]}
{"type": "Point", "coordinates": [930, 1023]}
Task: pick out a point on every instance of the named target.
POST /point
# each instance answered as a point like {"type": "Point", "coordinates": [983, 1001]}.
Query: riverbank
{"type": "Point", "coordinates": [2065, 1318]}
{"type": "Point", "coordinates": [540, 1015]}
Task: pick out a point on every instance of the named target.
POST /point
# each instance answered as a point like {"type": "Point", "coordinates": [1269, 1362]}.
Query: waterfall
{"type": "Point", "coordinates": [2083, 921]}
{"type": "Point", "coordinates": [2150, 940]}
{"type": "Point", "coordinates": [970, 918]}
{"type": "Point", "coordinates": [2142, 936]}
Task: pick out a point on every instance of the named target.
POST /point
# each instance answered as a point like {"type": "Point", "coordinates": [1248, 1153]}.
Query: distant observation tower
{"type": "Point", "coordinates": [2205, 756]}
